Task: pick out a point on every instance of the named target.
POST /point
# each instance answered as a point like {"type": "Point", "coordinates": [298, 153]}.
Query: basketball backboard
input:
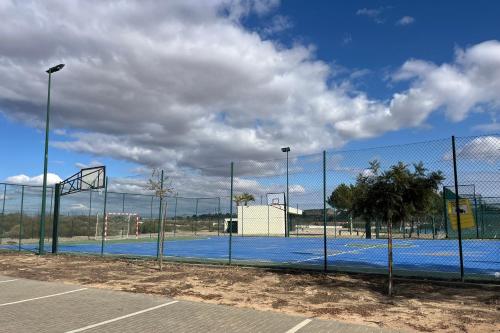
{"type": "Point", "coordinates": [275, 199]}
{"type": "Point", "coordinates": [84, 180]}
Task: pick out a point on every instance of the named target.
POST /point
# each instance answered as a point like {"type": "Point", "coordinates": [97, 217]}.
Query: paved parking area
{"type": "Point", "coordinates": [35, 306]}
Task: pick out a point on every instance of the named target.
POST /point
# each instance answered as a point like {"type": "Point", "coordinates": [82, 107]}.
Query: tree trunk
{"type": "Point", "coordinates": [368, 230]}
{"type": "Point", "coordinates": [389, 253]}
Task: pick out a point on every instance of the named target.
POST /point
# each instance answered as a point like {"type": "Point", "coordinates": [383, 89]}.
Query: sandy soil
{"type": "Point", "coordinates": [416, 306]}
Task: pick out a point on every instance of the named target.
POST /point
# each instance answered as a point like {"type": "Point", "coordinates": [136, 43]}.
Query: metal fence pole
{"type": "Point", "coordinates": [33, 228]}
{"type": "Point", "coordinates": [21, 217]}
{"type": "Point", "coordinates": [475, 213]}
{"type": "Point", "coordinates": [218, 218]}
{"type": "Point", "coordinates": [231, 213]}
{"type": "Point", "coordinates": [152, 228]}
{"type": "Point", "coordinates": [324, 213]}
{"type": "Point", "coordinates": [195, 216]}
{"type": "Point", "coordinates": [104, 218]}
{"type": "Point", "coordinates": [159, 218]}
{"type": "Point", "coordinates": [457, 209]}
{"type": "Point", "coordinates": [445, 219]}
{"type": "Point", "coordinates": [3, 212]}
{"type": "Point", "coordinates": [90, 214]}
{"type": "Point", "coordinates": [55, 220]}
{"type": "Point", "coordinates": [175, 215]}
{"type": "Point", "coordinates": [50, 210]}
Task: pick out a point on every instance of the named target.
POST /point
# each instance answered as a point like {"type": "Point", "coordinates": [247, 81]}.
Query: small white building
{"type": "Point", "coordinates": [261, 220]}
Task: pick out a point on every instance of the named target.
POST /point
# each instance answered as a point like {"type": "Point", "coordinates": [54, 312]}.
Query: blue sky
{"type": "Point", "coordinates": [128, 100]}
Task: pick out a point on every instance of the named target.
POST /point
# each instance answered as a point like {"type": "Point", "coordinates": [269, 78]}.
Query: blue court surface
{"type": "Point", "coordinates": [411, 257]}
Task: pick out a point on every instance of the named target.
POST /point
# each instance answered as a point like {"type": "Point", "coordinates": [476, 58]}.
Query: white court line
{"type": "Point", "coordinates": [120, 318]}
{"type": "Point", "coordinates": [35, 298]}
{"type": "Point", "coordinates": [4, 281]}
{"type": "Point", "coordinates": [299, 326]}
{"type": "Point", "coordinates": [337, 254]}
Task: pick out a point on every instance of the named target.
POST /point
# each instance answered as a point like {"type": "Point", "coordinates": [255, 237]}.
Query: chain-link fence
{"type": "Point", "coordinates": [429, 209]}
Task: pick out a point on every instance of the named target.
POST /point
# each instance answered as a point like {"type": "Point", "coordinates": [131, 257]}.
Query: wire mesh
{"type": "Point", "coordinates": [320, 211]}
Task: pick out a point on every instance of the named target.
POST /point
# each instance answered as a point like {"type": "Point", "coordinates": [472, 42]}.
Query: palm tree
{"type": "Point", "coordinates": [244, 197]}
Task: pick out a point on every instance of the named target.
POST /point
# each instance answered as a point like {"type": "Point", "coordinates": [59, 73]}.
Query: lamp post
{"type": "Point", "coordinates": [287, 218]}
{"type": "Point", "coordinates": [45, 161]}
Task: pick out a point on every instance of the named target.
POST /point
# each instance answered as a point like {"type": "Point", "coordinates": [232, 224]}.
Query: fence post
{"type": "Point", "coordinates": [457, 209]}
{"type": "Point", "coordinates": [104, 216]}
{"type": "Point", "coordinates": [231, 212]}
{"type": "Point", "coordinates": [21, 217]}
{"type": "Point", "coordinates": [159, 218]}
{"type": "Point", "coordinates": [50, 210]}
{"type": "Point", "coordinates": [90, 214]}
{"type": "Point", "coordinates": [475, 213]}
{"type": "Point", "coordinates": [175, 215]}
{"type": "Point", "coordinates": [55, 219]}
{"type": "Point", "coordinates": [195, 216]}
{"type": "Point", "coordinates": [445, 219]}
{"type": "Point", "coordinates": [218, 218]}
{"type": "Point", "coordinates": [3, 212]}
{"type": "Point", "coordinates": [324, 213]}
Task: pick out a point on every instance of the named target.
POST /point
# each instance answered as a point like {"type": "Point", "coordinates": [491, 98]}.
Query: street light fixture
{"type": "Point", "coordinates": [45, 162]}
{"type": "Point", "coordinates": [287, 217]}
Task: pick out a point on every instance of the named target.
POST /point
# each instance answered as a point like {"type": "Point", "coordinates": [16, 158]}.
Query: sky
{"type": "Point", "coordinates": [185, 85]}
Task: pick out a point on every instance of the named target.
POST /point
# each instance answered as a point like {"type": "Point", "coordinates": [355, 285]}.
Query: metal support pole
{"type": "Point", "coordinates": [90, 214]}
{"type": "Point", "coordinates": [325, 251]}
{"type": "Point", "coordinates": [21, 217]}
{"type": "Point", "coordinates": [231, 213]}
{"type": "Point", "coordinates": [475, 213]}
{"type": "Point", "coordinates": [55, 219]}
{"type": "Point", "coordinates": [51, 204]}
{"type": "Point", "coordinates": [45, 163]}
{"type": "Point", "coordinates": [218, 218]}
{"type": "Point", "coordinates": [195, 216]}
{"type": "Point", "coordinates": [175, 215]}
{"type": "Point", "coordinates": [104, 216]}
{"type": "Point", "coordinates": [151, 218]}
{"type": "Point", "coordinates": [287, 200]}
{"type": "Point", "coordinates": [457, 209]}
{"type": "Point", "coordinates": [160, 217]}
{"type": "Point", "coordinates": [445, 219]}
{"type": "Point", "coordinates": [3, 211]}
{"type": "Point", "coordinates": [482, 218]}
{"type": "Point", "coordinates": [123, 202]}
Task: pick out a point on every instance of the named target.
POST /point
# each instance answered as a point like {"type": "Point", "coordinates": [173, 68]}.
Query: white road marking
{"type": "Point", "coordinates": [120, 318]}
{"type": "Point", "coordinates": [299, 326]}
{"type": "Point", "coordinates": [4, 281]}
{"type": "Point", "coordinates": [47, 296]}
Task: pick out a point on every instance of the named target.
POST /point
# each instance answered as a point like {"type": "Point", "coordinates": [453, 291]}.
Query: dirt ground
{"type": "Point", "coordinates": [416, 306]}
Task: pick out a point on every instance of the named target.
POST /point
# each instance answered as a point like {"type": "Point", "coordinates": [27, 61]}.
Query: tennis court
{"type": "Point", "coordinates": [411, 257]}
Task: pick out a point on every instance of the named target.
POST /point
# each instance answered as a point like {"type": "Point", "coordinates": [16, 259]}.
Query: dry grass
{"type": "Point", "coordinates": [421, 307]}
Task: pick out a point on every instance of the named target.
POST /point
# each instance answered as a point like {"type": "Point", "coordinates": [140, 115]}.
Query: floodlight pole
{"type": "Point", "coordinates": [45, 162]}
{"type": "Point", "coordinates": [287, 199]}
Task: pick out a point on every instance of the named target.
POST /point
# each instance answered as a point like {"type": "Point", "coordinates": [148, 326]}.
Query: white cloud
{"type": "Point", "coordinates": [487, 128]}
{"type": "Point", "coordinates": [373, 13]}
{"type": "Point", "coordinates": [279, 23]}
{"type": "Point", "coordinates": [485, 148]}
{"type": "Point", "coordinates": [183, 84]}
{"type": "Point", "coordinates": [35, 180]}
{"type": "Point", "coordinates": [92, 163]}
{"type": "Point", "coordinates": [405, 20]}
